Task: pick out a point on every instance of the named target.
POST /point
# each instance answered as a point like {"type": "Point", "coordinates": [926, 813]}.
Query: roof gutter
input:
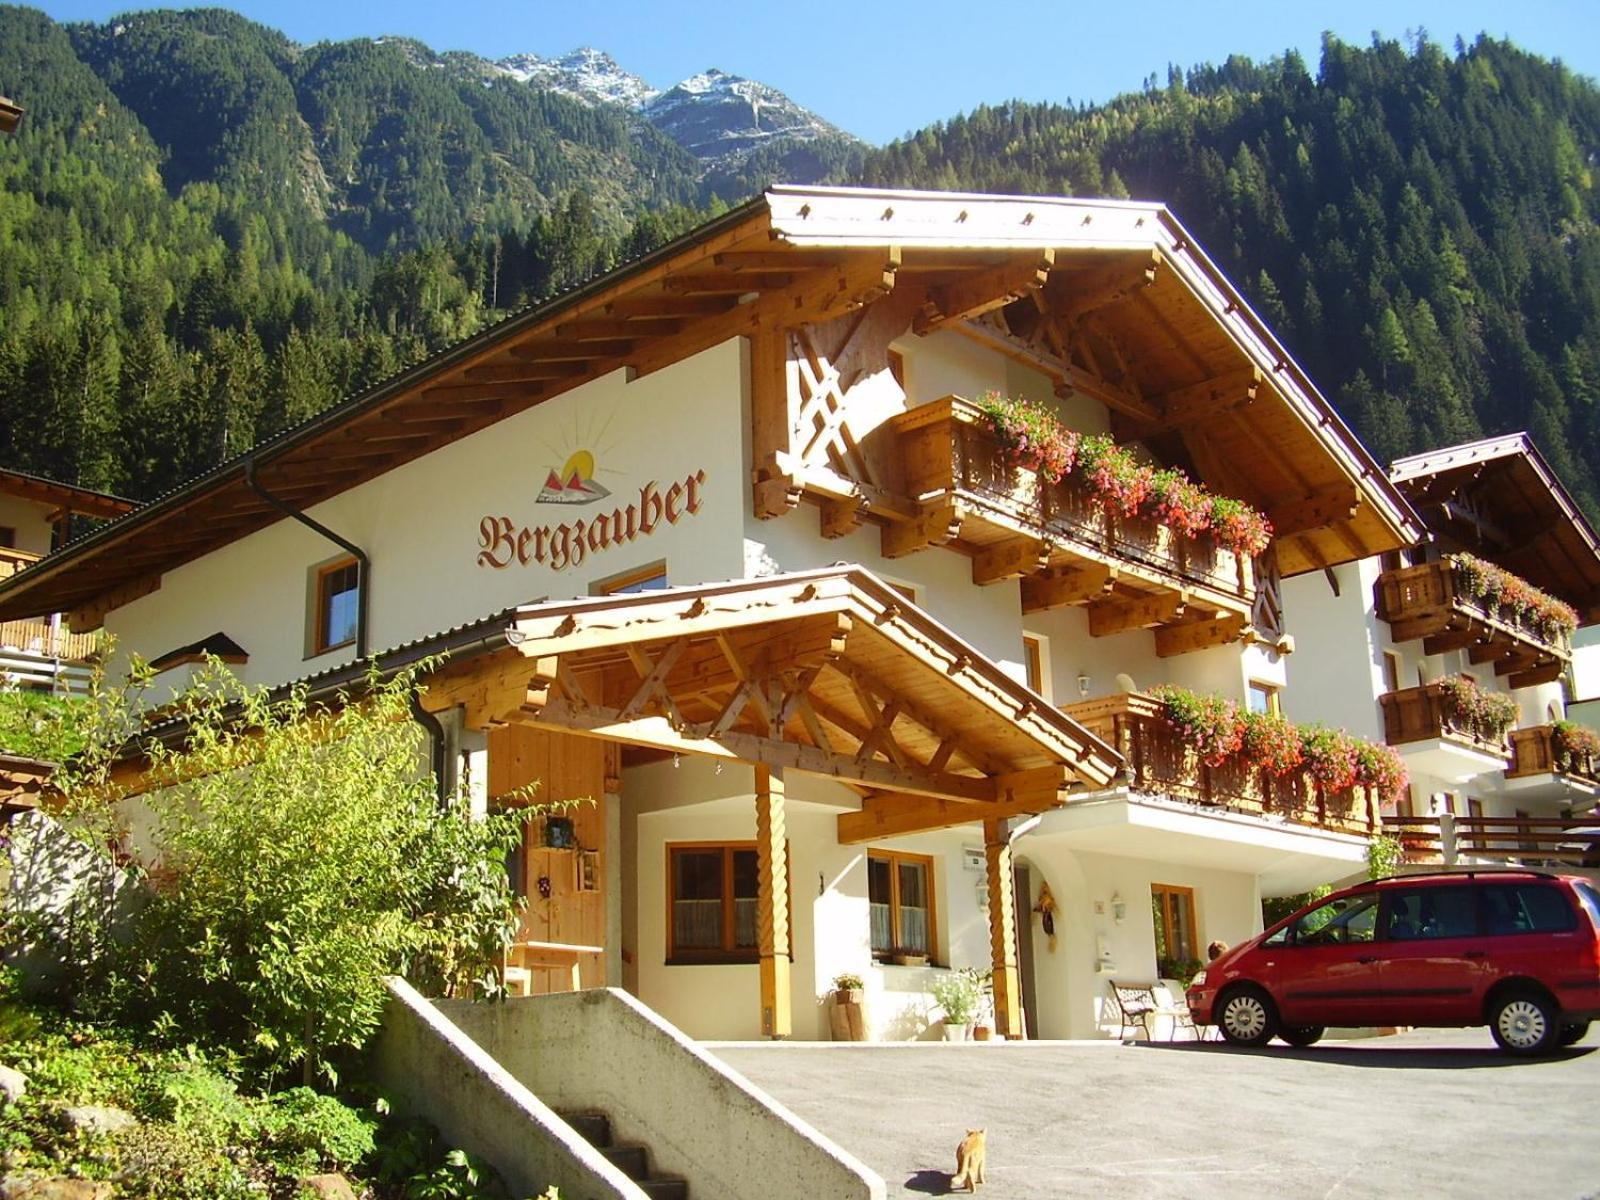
{"type": "Point", "coordinates": [363, 563]}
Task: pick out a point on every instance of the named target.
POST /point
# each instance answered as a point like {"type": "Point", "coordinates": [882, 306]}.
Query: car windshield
{"type": "Point", "coordinates": [1589, 897]}
{"type": "Point", "coordinates": [1345, 919]}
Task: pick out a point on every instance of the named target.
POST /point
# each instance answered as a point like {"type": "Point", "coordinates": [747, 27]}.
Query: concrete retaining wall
{"type": "Point", "coordinates": [604, 1050]}
{"type": "Point", "coordinates": [431, 1069]}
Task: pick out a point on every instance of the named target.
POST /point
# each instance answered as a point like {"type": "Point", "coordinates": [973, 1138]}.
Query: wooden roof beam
{"type": "Point", "coordinates": [570, 350]}
{"type": "Point", "coordinates": [595, 329]}
{"type": "Point", "coordinates": [733, 283]}
{"type": "Point", "coordinates": [974, 295]}
{"type": "Point", "coordinates": [1081, 293]}
{"type": "Point", "coordinates": [647, 307]}
{"type": "Point", "coordinates": [1198, 635]}
{"type": "Point", "coordinates": [1197, 403]}
{"type": "Point", "coordinates": [1323, 508]}
{"type": "Point", "coordinates": [1107, 617]}
{"type": "Point", "coordinates": [1060, 588]}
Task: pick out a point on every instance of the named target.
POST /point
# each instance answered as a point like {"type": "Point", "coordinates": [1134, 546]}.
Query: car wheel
{"type": "Point", "coordinates": [1301, 1035]}
{"type": "Point", "coordinates": [1572, 1034]}
{"type": "Point", "coordinates": [1524, 1023]}
{"type": "Point", "coordinates": [1247, 1017]}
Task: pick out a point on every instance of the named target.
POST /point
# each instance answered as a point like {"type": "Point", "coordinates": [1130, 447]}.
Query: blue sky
{"type": "Point", "coordinates": [882, 69]}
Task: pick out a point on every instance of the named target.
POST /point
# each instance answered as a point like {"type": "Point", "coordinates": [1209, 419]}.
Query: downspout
{"type": "Point", "coordinates": [363, 563]}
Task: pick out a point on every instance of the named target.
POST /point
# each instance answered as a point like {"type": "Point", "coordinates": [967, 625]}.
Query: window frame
{"type": "Point", "coordinates": [321, 602]}
{"type": "Point", "coordinates": [1393, 666]}
{"type": "Point", "coordinates": [1171, 898]}
{"type": "Point", "coordinates": [1271, 691]}
{"type": "Point", "coordinates": [626, 582]}
{"type": "Point", "coordinates": [894, 858]}
{"type": "Point", "coordinates": [1036, 664]}
{"type": "Point", "coordinates": [727, 953]}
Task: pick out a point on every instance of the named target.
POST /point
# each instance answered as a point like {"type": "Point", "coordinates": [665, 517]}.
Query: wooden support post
{"type": "Point", "coordinates": [772, 902]}
{"type": "Point", "coordinates": [1003, 931]}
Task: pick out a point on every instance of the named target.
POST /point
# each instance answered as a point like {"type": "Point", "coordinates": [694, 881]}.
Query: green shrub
{"type": "Point", "coordinates": [306, 1131]}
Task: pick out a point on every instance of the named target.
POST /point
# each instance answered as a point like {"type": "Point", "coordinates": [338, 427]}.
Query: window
{"type": "Point", "coordinates": [712, 898]}
{"type": "Point", "coordinates": [900, 900]}
{"type": "Point", "coordinates": [1264, 698]}
{"type": "Point", "coordinates": [650, 578]}
{"type": "Point", "coordinates": [338, 603]}
{"type": "Point", "coordinates": [1414, 914]}
{"type": "Point", "coordinates": [1510, 908]}
{"type": "Point", "coordinates": [1177, 938]}
{"type": "Point", "coordinates": [1391, 671]}
{"type": "Point", "coordinates": [1347, 919]}
{"type": "Point", "coordinates": [1035, 659]}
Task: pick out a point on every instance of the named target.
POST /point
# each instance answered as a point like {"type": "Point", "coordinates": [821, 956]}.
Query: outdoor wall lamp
{"type": "Point", "coordinates": [1119, 908]}
{"type": "Point", "coordinates": [1083, 684]}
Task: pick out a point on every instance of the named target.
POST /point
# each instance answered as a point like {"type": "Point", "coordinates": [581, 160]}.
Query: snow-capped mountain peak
{"type": "Point", "coordinates": [585, 73]}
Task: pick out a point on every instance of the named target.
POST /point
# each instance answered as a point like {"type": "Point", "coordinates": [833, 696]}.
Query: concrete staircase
{"type": "Point", "coordinates": [631, 1158]}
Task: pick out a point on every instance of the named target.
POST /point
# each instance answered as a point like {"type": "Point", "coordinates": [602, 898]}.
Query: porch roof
{"type": "Point", "coordinates": [828, 672]}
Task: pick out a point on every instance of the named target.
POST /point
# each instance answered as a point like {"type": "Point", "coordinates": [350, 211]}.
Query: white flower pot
{"type": "Point", "coordinates": [954, 1033]}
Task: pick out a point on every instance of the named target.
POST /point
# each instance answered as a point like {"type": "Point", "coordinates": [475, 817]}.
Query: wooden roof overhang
{"type": "Point", "coordinates": [10, 115]}
{"type": "Point", "coordinates": [828, 673]}
{"type": "Point", "coordinates": [804, 256]}
{"type": "Point", "coordinates": [22, 781]}
{"type": "Point", "coordinates": [66, 499]}
{"type": "Point", "coordinates": [1116, 301]}
{"type": "Point", "coordinates": [1499, 499]}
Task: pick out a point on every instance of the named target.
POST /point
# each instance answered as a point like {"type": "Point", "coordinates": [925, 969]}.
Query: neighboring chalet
{"type": "Point", "coordinates": [36, 515]}
{"type": "Point", "coordinates": [1458, 652]}
{"type": "Point", "coordinates": [10, 116]}
{"type": "Point", "coordinates": [764, 584]}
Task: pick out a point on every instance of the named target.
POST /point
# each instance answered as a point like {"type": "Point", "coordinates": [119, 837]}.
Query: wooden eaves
{"type": "Point", "coordinates": [10, 115]}
{"type": "Point", "coordinates": [829, 673]}
{"type": "Point", "coordinates": [1150, 327]}
{"type": "Point", "coordinates": [1498, 498]}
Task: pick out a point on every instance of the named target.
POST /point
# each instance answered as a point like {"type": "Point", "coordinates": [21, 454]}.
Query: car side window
{"type": "Point", "coordinates": [1411, 914]}
{"type": "Point", "coordinates": [1351, 918]}
{"type": "Point", "coordinates": [1510, 908]}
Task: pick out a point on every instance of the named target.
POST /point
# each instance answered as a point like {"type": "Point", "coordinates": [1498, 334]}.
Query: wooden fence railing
{"type": "Point", "coordinates": [1451, 839]}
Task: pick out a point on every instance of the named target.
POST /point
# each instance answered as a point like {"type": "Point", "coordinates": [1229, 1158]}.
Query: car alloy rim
{"type": "Point", "coordinates": [1245, 1016]}
{"type": "Point", "coordinates": [1522, 1023]}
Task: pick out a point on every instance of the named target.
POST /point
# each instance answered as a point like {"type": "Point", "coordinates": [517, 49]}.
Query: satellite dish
{"type": "Point", "coordinates": [1125, 683]}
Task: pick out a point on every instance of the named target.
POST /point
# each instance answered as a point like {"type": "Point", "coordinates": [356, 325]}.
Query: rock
{"type": "Point", "coordinates": [327, 1187]}
{"type": "Point", "coordinates": [13, 1085]}
{"type": "Point", "coordinates": [99, 1119]}
{"type": "Point", "coordinates": [54, 1189]}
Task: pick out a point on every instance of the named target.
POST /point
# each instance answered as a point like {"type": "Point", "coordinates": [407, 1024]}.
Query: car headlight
{"type": "Point", "coordinates": [1198, 981]}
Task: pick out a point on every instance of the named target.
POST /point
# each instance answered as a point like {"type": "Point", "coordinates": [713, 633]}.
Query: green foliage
{"type": "Point", "coordinates": [1384, 856]}
{"type": "Point", "coordinates": [1276, 908]}
{"type": "Point", "coordinates": [307, 1131]}
{"type": "Point", "coordinates": [303, 856]}
{"type": "Point", "coordinates": [39, 725]}
{"type": "Point", "coordinates": [959, 993]}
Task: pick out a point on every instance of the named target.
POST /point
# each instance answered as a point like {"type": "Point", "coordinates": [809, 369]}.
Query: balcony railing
{"type": "Point", "coordinates": [1425, 602]}
{"type": "Point", "coordinates": [44, 639]}
{"type": "Point", "coordinates": [1425, 714]}
{"type": "Point", "coordinates": [1534, 841]}
{"type": "Point", "coordinates": [948, 455]}
{"type": "Point", "coordinates": [13, 560]}
{"type": "Point", "coordinates": [1534, 752]}
{"type": "Point", "coordinates": [1158, 761]}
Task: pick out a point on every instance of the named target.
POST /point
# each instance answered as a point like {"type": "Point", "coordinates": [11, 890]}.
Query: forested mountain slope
{"type": "Point", "coordinates": [1419, 226]}
{"type": "Point", "coordinates": [208, 232]}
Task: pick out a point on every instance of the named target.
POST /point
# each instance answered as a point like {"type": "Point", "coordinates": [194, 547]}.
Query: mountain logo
{"type": "Point", "coordinates": [574, 483]}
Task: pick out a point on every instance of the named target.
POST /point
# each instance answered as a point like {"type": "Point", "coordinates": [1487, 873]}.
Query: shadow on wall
{"type": "Point", "coordinates": [62, 898]}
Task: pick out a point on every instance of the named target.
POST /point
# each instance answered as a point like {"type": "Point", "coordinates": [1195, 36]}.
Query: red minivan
{"type": "Point", "coordinates": [1514, 949]}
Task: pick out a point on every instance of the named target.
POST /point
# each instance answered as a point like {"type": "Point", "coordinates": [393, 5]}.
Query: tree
{"type": "Point", "coordinates": [298, 857]}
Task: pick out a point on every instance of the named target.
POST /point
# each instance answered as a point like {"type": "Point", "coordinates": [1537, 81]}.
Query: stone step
{"type": "Point", "coordinates": [632, 1160]}
{"type": "Point", "coordinates": [665, 1187]}
{"type": "Point", "coordinates": [593, 1127]}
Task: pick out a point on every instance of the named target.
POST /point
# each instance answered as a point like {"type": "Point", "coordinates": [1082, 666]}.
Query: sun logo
{"type": "Point", "coordinates": [574, 483]}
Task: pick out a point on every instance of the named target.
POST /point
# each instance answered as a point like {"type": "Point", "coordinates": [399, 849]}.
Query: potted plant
{"type": "Point", "coordinates": [958, 993]}
{"type": "Point", "coordinates": [848, 987]}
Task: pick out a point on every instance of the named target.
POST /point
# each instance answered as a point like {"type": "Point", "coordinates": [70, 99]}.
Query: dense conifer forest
{"type": "Point", "coordinates": [208, 233]}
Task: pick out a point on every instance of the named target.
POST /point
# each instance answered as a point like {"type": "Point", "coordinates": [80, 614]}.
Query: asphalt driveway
{"type": "Point", "coordinates": [1437, 1113]}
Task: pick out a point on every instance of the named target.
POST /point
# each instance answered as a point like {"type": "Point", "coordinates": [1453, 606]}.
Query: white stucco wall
{"type": "Point", "coordinates": [421, 522]}
{"type": "Point", "coordinates": [1093, 948]}
{"type": "Point", "coordinates": [27, 518]}
{"type": "Point", "coordinates": [828, 906]}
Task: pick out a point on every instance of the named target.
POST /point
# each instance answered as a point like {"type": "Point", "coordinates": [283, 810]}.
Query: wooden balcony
{"type": "Point", "coordinates": [1059, 539]}
{"type": "Point", "coordinates": [1530, 841]}
{"type": "Point", "coordinates": [1424, 602]}
{"type": "Point", "coordinates": [1424, 714]}
{"type": "Point", "coordinates": [1537, 766]}
{"type": "Point", "coordinates": [1158, 762]}
{"type": "Point", "coordinates": [46, 640]}
{"type": "Point", "coordinates": [13, 560]}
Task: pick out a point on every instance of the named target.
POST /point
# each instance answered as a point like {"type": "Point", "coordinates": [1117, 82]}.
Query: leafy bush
{"type": "Point", "coordinates": [307, 1131]}
{"type": "Point", "coordinates": [302, 857]}
{"type": "Point", "coordinates": [1384, 856]}
{"type": "Point", "coordinates": [959, 993]}
{"type": "Point", "coordinates": [39, 725]}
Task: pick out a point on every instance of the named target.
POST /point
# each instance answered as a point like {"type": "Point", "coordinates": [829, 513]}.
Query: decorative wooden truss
{"type": "Point", "coordinates": [826, 673]}
{"type": "Point", "coordinates": [1424, 602]}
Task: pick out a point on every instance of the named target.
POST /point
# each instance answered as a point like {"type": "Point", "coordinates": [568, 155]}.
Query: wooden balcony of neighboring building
{"type": "Point", "coordinates": [1059, 539]}
{"type": "Point", "coordinates": [1159, 762]}
{"type": "Point", "coordinates": [13, 560]}
{"type": "Point", "coordinates": [1425, 602]}
{"type": "Point", "coordinates": [1423, 725]}
{"type": "Point", "coordinates": [1541, 769]}
{"type": "Point", "coordinates": [1562, 842]}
